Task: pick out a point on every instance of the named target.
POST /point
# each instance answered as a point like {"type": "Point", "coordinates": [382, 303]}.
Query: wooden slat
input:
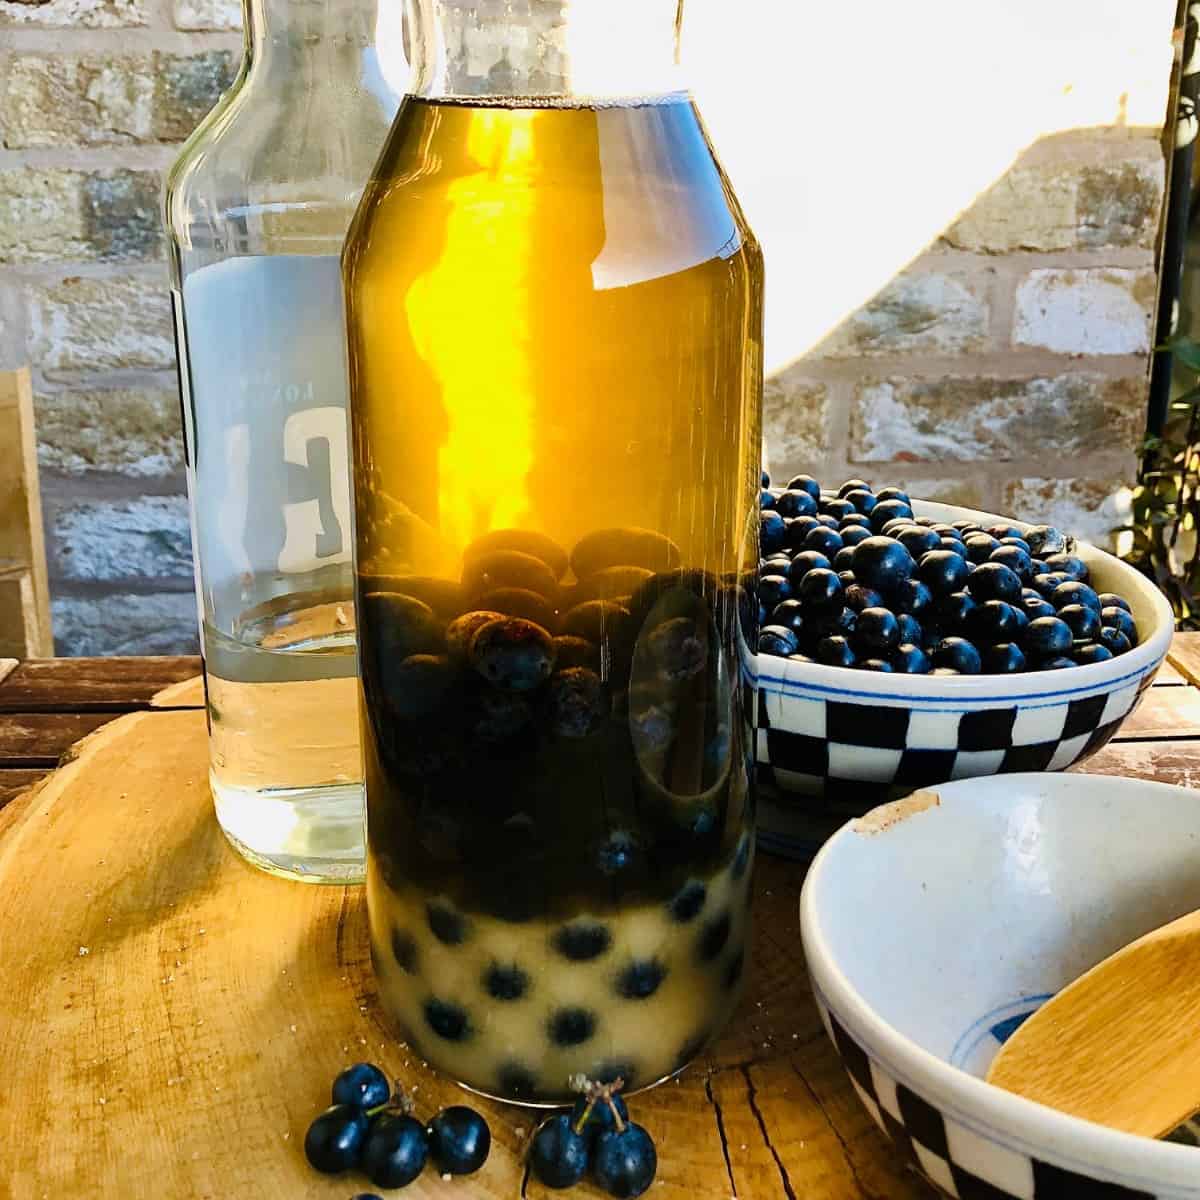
{"type": "Point", "coordinates": [1169, 676]}
{"type": "Point", "coordinates": [14, 781]}
{"type": "Point", "coordinates": [1167, 762]}
{"type": "Point", "coordinates": [40, 739]}
{"type": "Point", "coordinates": [92, 684]}
{"type": "Point", "coordinates": [1164, 713]}
{"type": "Point", "coordinates": [1184, 656]}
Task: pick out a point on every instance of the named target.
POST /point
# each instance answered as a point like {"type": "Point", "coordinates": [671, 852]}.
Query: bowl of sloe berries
{"type": "Point", "coordinates": [903, 643]}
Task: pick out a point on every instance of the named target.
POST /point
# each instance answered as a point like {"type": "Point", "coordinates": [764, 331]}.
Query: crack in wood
{"type": "Point", "coordinates": [837, 1133]}
{"type": "Point", "coordinates": [525, 1181]}
{"type": "Point", "coordinates": [716, 1106]}
{"type": "Point", "coordinates": [751, 1096]}
{"type": "Point", "coordinates": [339, 936]}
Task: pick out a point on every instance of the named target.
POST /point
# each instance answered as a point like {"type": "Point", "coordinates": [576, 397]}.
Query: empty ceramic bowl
{"type": "Point", "coordinates": [935, 925]}
{"type": "Point", "coordinates": [833, 742]}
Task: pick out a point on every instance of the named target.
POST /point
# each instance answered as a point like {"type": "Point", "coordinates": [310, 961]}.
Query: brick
{"type": "Point", "coordinates": [1103, 310]}
{"type": "Point", "coordinates": [108, 541]}
{"type": "Point", "coordinates": [1067, 206]}
{"type": "Point", "coordinates": [59, 216]}
{"type": "Point", "coordinates": [966, 493]}
{"type": "Point", "coordinates": [128, 431]}
{"type": "Point", "coordinates": [101, 324]}
{"type": "Point", "coordinates": [76, 14]}
{"type": "Point", "coordinates": [14, 325]}
{"type": "Point", "coordinates": [794, 424]}
{"type": "Point", "coordinates": [109, 99]}
{"type": "Point", "coordinates": [980, 419]}
{"type": "Point", "coordinates": [208, 14]}
{"type": "Point", "coordinates": [1088, 508]}
{"type": "Point", "coordinates": [158, 623]}
{"type": "Point", "coordinates": [914, 314]}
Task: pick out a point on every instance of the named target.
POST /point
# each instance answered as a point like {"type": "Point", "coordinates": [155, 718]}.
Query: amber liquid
{"type": "Point", "coordinates": [555, 326]}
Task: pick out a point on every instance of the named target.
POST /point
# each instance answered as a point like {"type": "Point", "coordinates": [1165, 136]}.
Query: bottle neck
{"type": "Point", "coordinates": [576, 49]}
{"type": "Point", "coordinates": [309, 38]}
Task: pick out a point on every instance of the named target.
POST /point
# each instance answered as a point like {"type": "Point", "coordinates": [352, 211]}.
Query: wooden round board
{"type": "Point", "coordinates": [171, 1018]}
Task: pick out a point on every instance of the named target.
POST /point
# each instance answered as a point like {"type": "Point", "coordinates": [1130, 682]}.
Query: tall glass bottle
{"type": "Point", "coordinates": [257, 208]}
{"type": "Point", "coordinates": [554, 308]}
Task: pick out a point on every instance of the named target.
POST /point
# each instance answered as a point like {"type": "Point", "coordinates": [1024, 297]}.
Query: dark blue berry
{"type": "Point", "coordinates": [446, 925]}
{"type": "Point", "coordinates": [820, 588]}
{"type": "Point", "coordinates": [895, 527]}
{"type": "Point", "coordinates": [1112, 617]}
{"type": "Point", "coordinates": [964, 527]}
{"type": "Point", "coordinates": [1047, 582]}
{"type": "Point", "coordinates": [859, 597]}
{"type": "Point", "coordinates": [686, 904]}
{"type": "Point", "coordinates": [513, 654]}
{"type": "Point", "coordinates": [1004, 530]}
{"type": "Point", "coordinates": [823, 541]}
{"type": "Point", "coordinates": [979, 546]}
{"type": "Point", "coordinates": [624, 1161]}
{"type": "Point", "coordinates": [766, 500]}
{"type": "Point", "coordinates": [946, 531]}
{"type": "Point", "coordinates": [777, 640]}
{"type": "Point", "coordinates": [1092, 652]}
{"type": "Point", "coordinates": [582, 941]}
{"type": "Point", "coordinates": [909, 659]}
{"type": "Point", "coordinates": [459, 1140]}
{"type": "Point", "coordinates": [864, 502]}
{"type": "Point", "coordinates": [363, 1084]}
{"type": "Point", "coordinates": [773, 590]}
{"type": "Point", "coordinates": [954, 546]}
{"type": "Point", "coordinates": [641, 979]}
{"type": "Point", "coordinates": [395, 1151]}
{"type": "Point", "coordinates": [772, 532]}
{"type": "Point", "coordinates": [995, 581]}
{"type": "Point", "coordinates": [1084, 622]}
{"type": "Point", "coordinates": [1016, 559]}
{"type": "Point", "coordinates": [837, 508]}
{"type": "Point", "coordinates": [1114, 640]}
{"type": "Point", "coordinates": [447, 1020]}
{"type": "Point", "coordinates": [854, 485]}
{"type": "Point", "coordinates": [506, 982]}
{"type": "Point", "coordinates": [796, 504]}
{"type": "Point", "coordinates": [877, 629]}
{"type": "Point", "coordinates": [335, 1139]}
{"type": "Point", "coordinates": [944, 571]}
{"type": "Point", "coordinates": [805, 483]}
{"type": "Point", "coordinates": [882, 563]}
{"type": "Point", "coordinates": [1034, 606]}
{"type": "Point", "coordinates": [558, 1156]}
{"type": "Point", "coordinates": [918, 541]}
{"type": "Point", "coordinates": [1112, 600]}
{"type": "Point", "coordinates": [829, 522]}
{"type": "Point", "coordinates": [992, 621]}
{"type": "Point", "coordinates": [797, 531]}
{"type": "Point", "coordinates": [766, 480]}
{"type": "Point", "coordinates": [835, 651]}
{"type": "Point", "coordinates": [805, 561]}
{"type": "Point", "coordinates": [954, 610]}
{"type": "Point", "coordinates": [876, 664]}
{"type": "Point", "coordinates": [911, 629]}
{"type": "Point", "coordinates": [852, 535]}
{"type": "Point", "coordinates": [843, 560]}
{"type": "Point", "coordinates": [958, 654]}
{"type": "Point", "coordinates": [789, 614]}
{"type": "Point", "coordinates": [571, 1026]}
{"type": "Point", "coordinates": [914, 597]}
{"type": "Point", "coordinates": [1070, 565]}
{"type": "Point", "coordinates": [713, 937]}
{"type": "Point", "coordinates": [1074, 592]}
{"type": "Point", "coordinates": [1004, 658]}
{"type": "Point", "coordinates": [1048, 637]}
{"type": "Point", "coordinates": [888, 510]}
{"type": "Point", "coordinates": [1056, 664]}
{"type": "Point", "coordinates": [855, 520]}
{"type": "Point", "coordinates": [893, 493]}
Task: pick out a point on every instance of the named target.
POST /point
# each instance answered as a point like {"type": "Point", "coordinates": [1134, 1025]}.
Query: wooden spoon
{"type": "Point", "coordinates": [1121, 1045]}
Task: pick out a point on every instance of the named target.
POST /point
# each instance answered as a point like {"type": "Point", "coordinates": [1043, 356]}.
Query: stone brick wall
{"type": "Point", "coordinates": [95, 98]}
{"type": "Point", "coordinates": [1003, 366]}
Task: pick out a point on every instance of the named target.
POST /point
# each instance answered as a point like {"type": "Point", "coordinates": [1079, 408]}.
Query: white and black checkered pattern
{"type": "Point", "coordinates": [850, 749]}
{"type": "Point", "coordinates": [957, 1160]}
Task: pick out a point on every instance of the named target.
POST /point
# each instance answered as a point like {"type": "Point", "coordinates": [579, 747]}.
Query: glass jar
{"type": "Point", "coordinates": [257, 207]}
{"type": "Point", "coordinates": [554, 308]}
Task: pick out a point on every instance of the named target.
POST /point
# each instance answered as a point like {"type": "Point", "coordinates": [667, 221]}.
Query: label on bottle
{"type": "Point", "coordinates": [266, 416]}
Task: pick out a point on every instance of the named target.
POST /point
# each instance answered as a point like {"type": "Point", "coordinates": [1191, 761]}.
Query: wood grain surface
{"type": "Point", "coordinates": [187, 1014]}
{"type": "Point", "coordinates": [91, 684]}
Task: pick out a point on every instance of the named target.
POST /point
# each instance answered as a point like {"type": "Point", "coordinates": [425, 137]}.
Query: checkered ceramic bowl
{"type": "Point", "coordinates": [931, 933]}
{"type": "Point", "coordinates": [833, 742]}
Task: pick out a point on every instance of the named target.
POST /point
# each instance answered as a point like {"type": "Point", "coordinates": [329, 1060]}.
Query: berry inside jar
{"type": "Point", "coordinates": [559, 813]}
{"type": "Point", "coordinates": [853, 578]}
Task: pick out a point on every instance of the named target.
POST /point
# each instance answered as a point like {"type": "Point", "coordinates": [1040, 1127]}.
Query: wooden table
{"type": "Point", "coordinates": [767, 1113]}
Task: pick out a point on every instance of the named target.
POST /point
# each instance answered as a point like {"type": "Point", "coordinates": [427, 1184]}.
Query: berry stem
{"type": "Point", "coordinates": [601, 1093]}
